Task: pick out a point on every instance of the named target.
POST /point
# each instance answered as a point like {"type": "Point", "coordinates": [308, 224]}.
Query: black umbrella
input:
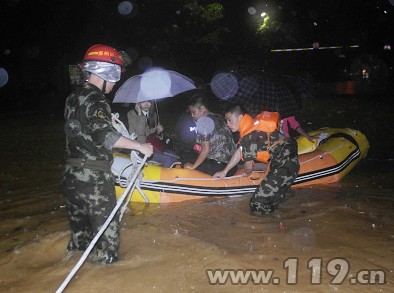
{"type": "Point", "coordinates": [256, 91]}
{"type": "Point", "coordinates": [299, 86]}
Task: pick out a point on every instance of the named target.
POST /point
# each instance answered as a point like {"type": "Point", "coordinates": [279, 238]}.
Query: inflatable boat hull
{"type": "Point", "coordinates": [326, 160]}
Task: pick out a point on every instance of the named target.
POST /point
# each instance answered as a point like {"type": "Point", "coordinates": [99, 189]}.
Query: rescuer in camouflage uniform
{"type": "Point", "coordinates": [88, 184]}
{"type": "Point", "coordinates": [283, 161]}
{"type": "Point", "coordinates": [212, 135]}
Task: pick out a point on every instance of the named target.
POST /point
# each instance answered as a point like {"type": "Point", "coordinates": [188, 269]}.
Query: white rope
{"type": "Point", "coordinates": [126, 203]}
{"type": "Point", "coordinates": [142, 193]}
{"type": "Point", "coordinates": [101, 231]}
{"type": "Point", "coordinates": [130, 194]}
{"type": "Point", "coordinates": [199, 179]}
{"type": "Point", "coordinates": [323, 154]}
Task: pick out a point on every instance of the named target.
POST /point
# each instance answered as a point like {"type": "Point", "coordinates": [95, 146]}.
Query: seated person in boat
{"type": "Point", "coordinates": [143, 120]}
{"type": "Point", "coordinates": [213, 137]}
{"type": "Point", "coordinates": [274, 148]}
{"type": "Point", "coordinates": [291, 122]}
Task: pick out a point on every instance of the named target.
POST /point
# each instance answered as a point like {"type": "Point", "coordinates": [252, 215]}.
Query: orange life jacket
{"type": "Point", "coordinates": [266, 122]}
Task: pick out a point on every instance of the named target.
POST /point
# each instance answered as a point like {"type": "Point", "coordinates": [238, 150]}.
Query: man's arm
{"type": "Point", "coordinates": [125, 143]}
{"type": "Point", "coordinates": [205, 149]}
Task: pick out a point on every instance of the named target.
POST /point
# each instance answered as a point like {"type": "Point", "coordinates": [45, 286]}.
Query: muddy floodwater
{"type": "Point", "coordinates": [329, 238]}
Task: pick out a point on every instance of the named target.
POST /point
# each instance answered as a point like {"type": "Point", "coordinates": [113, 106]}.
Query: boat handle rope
{"type": "Point", "coordinates": [199, 179]}
{"type": "Point", "coordinates": [323, 154]}
{"type": "Point", "coordinates": [146, 199]}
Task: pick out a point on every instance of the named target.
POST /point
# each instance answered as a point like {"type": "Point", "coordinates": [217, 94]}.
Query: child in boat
{"type": "Point", "coordinates": [292, 122]}
{"type": "Point", "coordinates": [281, 155]}
{"type": "Point", "coordinates": [213, 137]}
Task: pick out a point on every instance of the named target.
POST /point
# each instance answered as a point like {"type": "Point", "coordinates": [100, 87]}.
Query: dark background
{"type": "Point", "coordinates": [39, 39]}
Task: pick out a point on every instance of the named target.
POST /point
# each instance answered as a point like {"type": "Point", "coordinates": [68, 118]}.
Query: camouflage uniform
{"type": "Point", "coordinates": [213, 128]}
{"type": "Point", "coordinates": [284, 167]}
{"type": "Point", "coordinates": [88, 184]}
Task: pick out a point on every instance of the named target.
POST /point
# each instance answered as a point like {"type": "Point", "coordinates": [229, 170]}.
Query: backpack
{"type": "Point", "coordinates": [266, 122]}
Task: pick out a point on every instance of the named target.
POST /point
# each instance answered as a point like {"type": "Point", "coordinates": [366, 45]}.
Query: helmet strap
{"type": "Point", "coordinates": [104, 86]}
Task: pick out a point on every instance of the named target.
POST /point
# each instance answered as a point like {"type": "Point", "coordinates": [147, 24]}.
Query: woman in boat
{"type": "Point", "coordinates": [273, 148]}
{"type": "Point", "coordinates": [143, 121]}
{"type": "Point", "coordinates": [215, 141]}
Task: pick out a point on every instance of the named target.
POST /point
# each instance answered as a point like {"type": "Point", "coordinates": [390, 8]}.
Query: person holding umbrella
{"type": "Point", "coordinates": [267, 147]}
{"type": "Point", "coordinates": [143, 120]}
{"type": "Point", "coordinates": [88, 184]}
{"type": "Point", "coordinates": [153, 84]}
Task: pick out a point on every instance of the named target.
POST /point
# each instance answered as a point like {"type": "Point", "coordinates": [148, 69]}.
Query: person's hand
{"type": "Point", "coordinates": [159, 128]}
{"type": "Point", "coordinates": [188, 166]}
{"type": "Point", "coordinates": [311, 138]}
{"type": "Point", "coordinates": [146, 149]}
{"type": "Point", "coordinates": [138, 109]}
{"type": "Point", "coordinates": [248, 167]}
{"type": "Point", "coordinates": [220, 174]}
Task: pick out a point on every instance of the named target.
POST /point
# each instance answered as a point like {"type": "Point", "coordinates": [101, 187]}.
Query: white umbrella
{"type": "Point", "coordinates": [153, 84]}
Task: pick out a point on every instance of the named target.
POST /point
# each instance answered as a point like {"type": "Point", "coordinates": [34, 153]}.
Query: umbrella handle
{"type": "Point", "coordinates": [157, 112]}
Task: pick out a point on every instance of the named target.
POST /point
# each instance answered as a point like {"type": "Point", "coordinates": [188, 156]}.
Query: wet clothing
{"type": "Point", "coordinates": [88, 184]}
{"type": "Point", "coordinates": [283, 168]}
{"type": "Point", "coordinates": [213, 129]}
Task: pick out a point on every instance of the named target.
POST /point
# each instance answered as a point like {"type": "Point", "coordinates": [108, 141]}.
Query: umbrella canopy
{"type": "Point", "coordinates": [153, 84]}
{"type": "Point", "coordinates": [299, 86]}
{"type": "Point", "coordinates": [224, 85]}
{"type": "Point", "coordinates": [256, 92]}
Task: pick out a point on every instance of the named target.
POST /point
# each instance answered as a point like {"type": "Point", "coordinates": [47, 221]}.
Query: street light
{"type": "Point", "coordinates": [264, 23]}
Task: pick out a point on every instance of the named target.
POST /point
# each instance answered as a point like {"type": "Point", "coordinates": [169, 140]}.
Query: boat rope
{"type": "Point", "coordinates": [102, 229]}
{"type": "Point", "coordinates": [323, 154]}
{"type": "Point", "coordinates": [146, 199]}
{"type": "Point", "coordinates": [126, 203]}
{"type": "Point", "coordinates": [135, 161]}
{"type": "Point", "coordinates": [193, 179]}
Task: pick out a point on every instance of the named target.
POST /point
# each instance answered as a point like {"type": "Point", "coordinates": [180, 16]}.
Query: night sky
{"type": "Point", "coordinates": [40, 38]}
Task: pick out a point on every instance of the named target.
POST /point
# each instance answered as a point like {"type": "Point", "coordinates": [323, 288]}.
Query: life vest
{"type": "Point", "coordinates": [266, 122]}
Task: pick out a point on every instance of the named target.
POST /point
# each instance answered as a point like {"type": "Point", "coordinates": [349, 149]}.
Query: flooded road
{"type": "Point", "coordinates": [331, 238]}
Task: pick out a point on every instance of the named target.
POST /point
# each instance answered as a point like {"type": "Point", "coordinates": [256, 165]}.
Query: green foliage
{"type": "Point", "coordinates": [208, 13]}
{"type": "Point", "coordinates": [213, 38]}
{"type": "Point", "coordinates": [213, 12]}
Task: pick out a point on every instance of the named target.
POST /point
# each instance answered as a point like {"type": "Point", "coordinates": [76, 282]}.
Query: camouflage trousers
{"type": "Point", "coordinates": [90, 198]}
{"type": "Point", "coordinates": [281, 175]}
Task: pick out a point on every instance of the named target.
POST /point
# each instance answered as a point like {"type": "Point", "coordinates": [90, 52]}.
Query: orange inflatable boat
{"type": "Point", "coordinates": [328, 159]}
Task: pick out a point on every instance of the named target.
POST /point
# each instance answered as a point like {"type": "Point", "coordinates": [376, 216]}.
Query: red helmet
{"type": "Point", "coordinates": [103, 53]}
